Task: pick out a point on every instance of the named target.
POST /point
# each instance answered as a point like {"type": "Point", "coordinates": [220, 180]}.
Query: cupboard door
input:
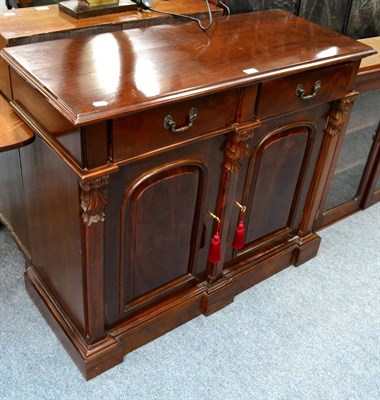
{"type": "Point", "coordinates": [159, 230]}
{"type": "Point", "coordinates": [275, 182]}
{"type": "Point", "coordinates": [276, 173]}
{"type": "Point", "coordinates": [352, 180]}
{"type": "Point", "coordinates": [360, 134]}
{"type": "Point", "coordinates": [157, 227]}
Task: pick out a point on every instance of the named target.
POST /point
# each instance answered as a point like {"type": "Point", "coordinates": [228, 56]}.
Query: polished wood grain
{"type": "Point", "coordinates": [14, 132]}
{"type": "Point", "coordinates": [160, 203]}
{"type": "Point", "coordinates": [333, 84]}
{"type": "Point", "coordinates": [275, 188]}
{"type": "Point", "coordinates": [30, 25]}
{"type": "Point", "coordinates": [123, 203]}
{"type": "Point", "coordinates": [125, 73]}
{"type": "Point", "coordinates": [141, 133]}
{"type": "Point", "coordinates": [51, 195]}
{"type": "Point", "coordinates": [142, 217]}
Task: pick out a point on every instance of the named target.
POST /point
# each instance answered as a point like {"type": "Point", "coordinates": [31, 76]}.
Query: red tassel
{"type": "Point", "coordinates": [239, 238]}
{"type": "Point", "coordinates": [214, 252]}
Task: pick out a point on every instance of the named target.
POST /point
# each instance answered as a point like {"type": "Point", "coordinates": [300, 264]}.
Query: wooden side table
{"type": "Point", "coordinates": [14, 132]}
{"type": "Point", "coordinates": [37, 24]}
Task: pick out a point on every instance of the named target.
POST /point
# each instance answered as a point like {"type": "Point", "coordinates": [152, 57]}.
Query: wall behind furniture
{"type": "Point", "coordinates": [355, 18]}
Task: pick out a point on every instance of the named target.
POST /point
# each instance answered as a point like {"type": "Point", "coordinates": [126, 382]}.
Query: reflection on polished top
{"type": "Point", "coordinates": [121, 72]}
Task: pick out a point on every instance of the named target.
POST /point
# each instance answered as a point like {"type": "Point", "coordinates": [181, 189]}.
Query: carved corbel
{"type": "Point", "coordinates": [337, 116]}
{"type": "Point", "coordinates": [236, 149]}
{"type": "Point", "coordinates": [94, 199]}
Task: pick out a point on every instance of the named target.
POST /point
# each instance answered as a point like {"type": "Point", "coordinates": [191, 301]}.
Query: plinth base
{"type": "Point", "coordinates": [78, 11]}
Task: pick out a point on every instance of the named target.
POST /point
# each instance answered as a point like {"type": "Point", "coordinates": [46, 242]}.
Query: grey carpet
{"type": "Point", "coordinates": [311, 332]}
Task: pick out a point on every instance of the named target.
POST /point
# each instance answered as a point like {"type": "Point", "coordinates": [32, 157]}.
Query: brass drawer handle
{"type": "Point", "coordinates": [300, 91]}
{"type": "Point", "coordinates": [169, 123]}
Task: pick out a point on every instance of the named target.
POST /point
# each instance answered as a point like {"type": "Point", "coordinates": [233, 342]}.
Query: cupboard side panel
{"type": "Point", "coordinates": [53, 212]}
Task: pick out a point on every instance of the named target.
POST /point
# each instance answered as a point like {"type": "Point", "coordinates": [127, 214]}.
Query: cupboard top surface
{"type": "Point", "coordinates": [98, 77]}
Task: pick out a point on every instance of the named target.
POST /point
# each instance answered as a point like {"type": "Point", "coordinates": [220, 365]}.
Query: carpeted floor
{"type": "Point", "coordinates": [311, 332]}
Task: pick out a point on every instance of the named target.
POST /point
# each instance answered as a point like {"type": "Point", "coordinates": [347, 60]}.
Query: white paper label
{"type": "Point", "coordinates": [99, 103]}
{"type": "Point", "coordinates": [250, 71]}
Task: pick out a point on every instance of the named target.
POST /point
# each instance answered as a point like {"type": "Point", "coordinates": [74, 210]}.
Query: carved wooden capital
{"type": "Point", "coordinates": [337, 116]}
{"type": "Point", "coordinates": [236, 149]}
{"type": "Point", "coordinates": [94, 199]}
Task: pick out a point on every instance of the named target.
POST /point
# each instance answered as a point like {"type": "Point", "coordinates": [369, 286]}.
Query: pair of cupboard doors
{"type": "Point", "coordinates": [172, 183]}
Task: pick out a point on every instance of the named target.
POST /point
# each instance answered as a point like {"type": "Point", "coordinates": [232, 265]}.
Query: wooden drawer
{"type": "Point", "coordinates": [144, 132]}
{"type": "Point", "coordinates": [280, 96]}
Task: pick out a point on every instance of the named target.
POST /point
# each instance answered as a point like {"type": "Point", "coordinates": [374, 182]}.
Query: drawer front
{"type": "Point", "coordinates": [301, 90]}
{"type": "Point", "coordinates": [142, 133]}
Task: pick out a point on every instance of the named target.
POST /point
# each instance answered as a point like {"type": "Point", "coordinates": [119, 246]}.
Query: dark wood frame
{"type": "Point", "coordinates": [91, 182]}
{"type": "Point", "coordinates": [368, 79]}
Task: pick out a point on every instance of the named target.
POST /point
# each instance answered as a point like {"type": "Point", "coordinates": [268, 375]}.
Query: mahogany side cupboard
{"type": "Point", "coordinates": [141, 136]}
